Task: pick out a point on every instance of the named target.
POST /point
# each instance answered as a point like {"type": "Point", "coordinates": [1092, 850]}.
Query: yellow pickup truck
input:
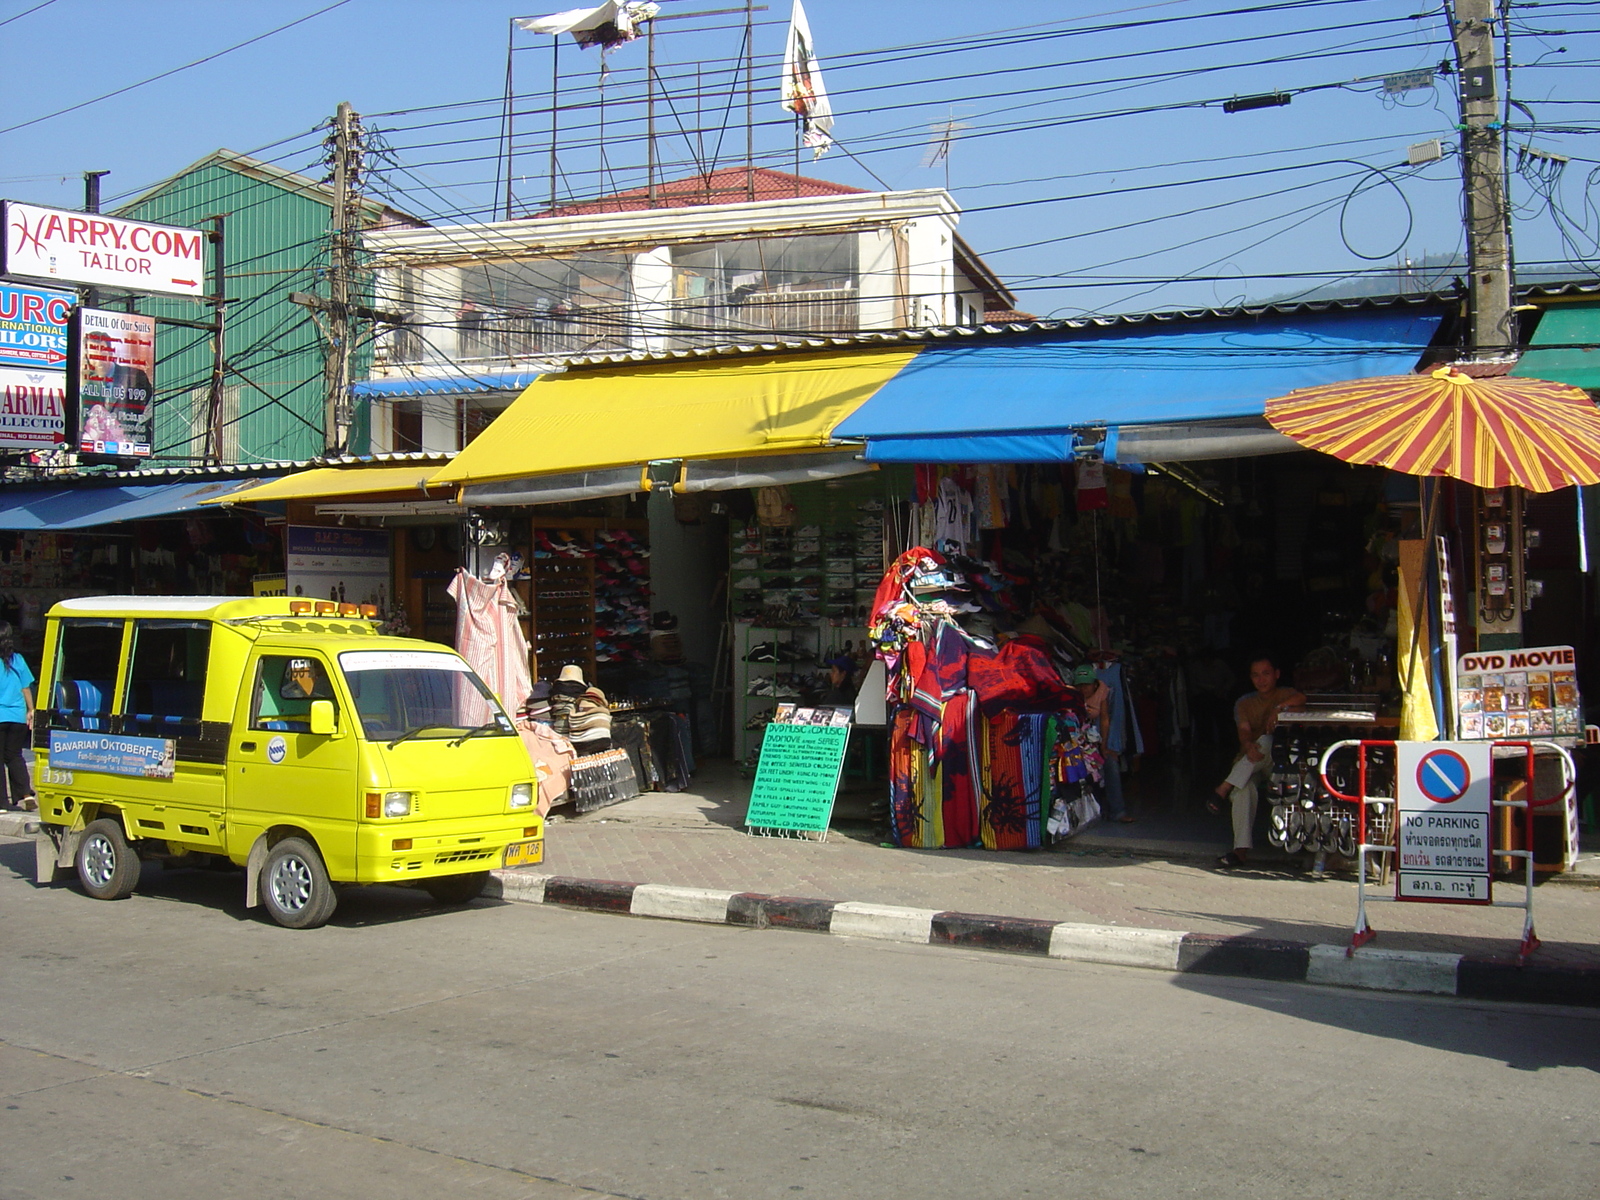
{"type": "Point", "coordinates": [286, 736]}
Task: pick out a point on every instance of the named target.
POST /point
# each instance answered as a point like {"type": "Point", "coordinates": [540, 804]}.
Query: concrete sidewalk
{"type": "Point", "coordinates": [1155, 874]}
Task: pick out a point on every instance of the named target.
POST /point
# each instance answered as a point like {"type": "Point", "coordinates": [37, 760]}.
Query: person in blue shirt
{"type": "Point", "coordinates": [16, 717]}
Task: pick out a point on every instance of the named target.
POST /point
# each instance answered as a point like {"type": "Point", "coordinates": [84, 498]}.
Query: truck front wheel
{"type": "Point", "coordinates": [107, 866]}
{"type": "Point", "coordinates": [295, 887]}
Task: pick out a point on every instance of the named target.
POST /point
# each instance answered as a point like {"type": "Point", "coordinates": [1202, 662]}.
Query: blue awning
{"type": "Point", "coordinates": [1022, 402]}
{"type": "Point", "coordinates": [83, 507]}
{"type": "Point", "coordinates": [447, 385]}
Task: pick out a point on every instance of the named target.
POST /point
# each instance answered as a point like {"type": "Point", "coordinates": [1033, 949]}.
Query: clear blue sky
{"type": "Point", "coordinates": [1059, 196]}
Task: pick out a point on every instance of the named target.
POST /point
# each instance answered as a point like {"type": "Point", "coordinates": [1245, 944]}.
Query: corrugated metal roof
{"type": "Point", "coordinates": [238, 471]}
{"type": "Point", "coordinates": [401, 386]}
{"type": "Point", "coordinates": [939, 334]}
{"type": "Point", "coordinates": [728, 185]}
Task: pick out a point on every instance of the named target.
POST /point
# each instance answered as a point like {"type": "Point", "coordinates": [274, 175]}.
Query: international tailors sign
{"type": "Point", "coordinates": [92, 248]}
{"type": "Point", "coordinates": [33, 327]}
{"type": "Point", "coordinates": [33, 409]}
{"type": "Point", "coordinates": [111, 380]}
{"type": "Point", "coordinates": [113, 754]}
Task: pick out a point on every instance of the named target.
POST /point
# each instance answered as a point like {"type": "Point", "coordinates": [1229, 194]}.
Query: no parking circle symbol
{"type": "Point", "coordinates": [1443, 776]}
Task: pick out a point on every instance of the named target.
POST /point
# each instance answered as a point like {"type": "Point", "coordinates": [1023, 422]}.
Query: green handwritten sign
{"type": "Point", "coordinates": [797, 777]}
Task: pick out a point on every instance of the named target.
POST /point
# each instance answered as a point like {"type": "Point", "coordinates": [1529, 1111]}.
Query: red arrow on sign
{"type": "Point", "coordinates": [185, 282]}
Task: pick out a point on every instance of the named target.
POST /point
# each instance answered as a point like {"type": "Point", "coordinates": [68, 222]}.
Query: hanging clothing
{"type": "Point", "coordinates": [489, 636]}
{"type": "Point", "coordinates": [988, 496]}
{"type": "Point", "coordinates": [1117, 736]}
{"type": "Point", "coordinates": [953, 515]}
{"type": "Point", "coordinates": [1014, 778]}
{"type": "Point", "coordinates": [552, 754]}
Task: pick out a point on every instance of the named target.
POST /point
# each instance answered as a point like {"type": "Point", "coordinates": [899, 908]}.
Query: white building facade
{"type": "Point", "coordinates": [490, 306]}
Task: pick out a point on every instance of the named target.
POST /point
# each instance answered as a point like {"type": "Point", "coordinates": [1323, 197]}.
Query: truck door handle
{"type": "Point", "coordinates": [247, 746]}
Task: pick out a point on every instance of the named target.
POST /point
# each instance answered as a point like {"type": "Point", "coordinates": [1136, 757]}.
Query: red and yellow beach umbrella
{"type": "Point", "coordinates": [1494, 433]}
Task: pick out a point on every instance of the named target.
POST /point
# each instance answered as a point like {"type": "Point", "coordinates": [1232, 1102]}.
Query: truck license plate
{"type": "Point", "coordinates": [525, 854]}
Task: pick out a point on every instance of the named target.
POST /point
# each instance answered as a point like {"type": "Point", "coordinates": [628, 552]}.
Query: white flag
{"type": "Point", "coordinates": [803, 93]}
{"type": "Point", "coordinates": [610, 24]}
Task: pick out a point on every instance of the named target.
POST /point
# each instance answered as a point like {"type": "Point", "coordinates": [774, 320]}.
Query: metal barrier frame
{"type": "Point", "coordinates": [1364, 932]}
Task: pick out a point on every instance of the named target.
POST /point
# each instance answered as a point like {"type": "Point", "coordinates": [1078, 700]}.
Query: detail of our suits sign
{"type": "Point", "coordinates": [1445, 799]}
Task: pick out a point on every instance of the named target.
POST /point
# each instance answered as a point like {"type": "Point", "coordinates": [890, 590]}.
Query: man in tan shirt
{"type": "Point", "coordinates": [1256, 717]}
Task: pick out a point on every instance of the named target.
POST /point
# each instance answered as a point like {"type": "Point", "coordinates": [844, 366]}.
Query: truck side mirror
{"type": "Point", "coordinates": [322, 721]}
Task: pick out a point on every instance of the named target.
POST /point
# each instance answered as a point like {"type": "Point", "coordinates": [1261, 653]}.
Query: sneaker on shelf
{"type": "Point", "coordinates": [778, 562]}
{"type": "Point", "coordinates": [809, 562]}
{"type": "Point", "coordinates": [778, 582]}
{"type": "Point", "coordinates": [873, 505]}
{"type": "Point", "coordinates": [748, 563]}
{"type": "Point", "coordinates": [748, 583]}
{"type": "Point", "coordinates": [808, 531]}
{"type": "Point", "coordinates": [766, 652]}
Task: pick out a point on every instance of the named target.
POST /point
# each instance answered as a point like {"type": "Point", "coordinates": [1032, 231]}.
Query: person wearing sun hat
{"type": "Point", "coordinates": [1097, 702]}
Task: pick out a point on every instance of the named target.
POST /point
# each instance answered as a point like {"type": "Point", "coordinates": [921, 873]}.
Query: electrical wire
{"type": "Point", "coordinates": [175, 70]}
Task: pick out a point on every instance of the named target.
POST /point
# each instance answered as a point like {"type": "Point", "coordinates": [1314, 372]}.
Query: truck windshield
{"type": "Point", "coordinates": [418, 694]}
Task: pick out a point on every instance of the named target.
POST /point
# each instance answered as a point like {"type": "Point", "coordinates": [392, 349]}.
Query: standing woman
{"type": "Point", "coordinates": [16, 717]}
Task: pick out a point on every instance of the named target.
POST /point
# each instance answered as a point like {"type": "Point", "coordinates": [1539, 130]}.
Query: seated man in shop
{"type": "Point", "coordinates": [1256, 717]}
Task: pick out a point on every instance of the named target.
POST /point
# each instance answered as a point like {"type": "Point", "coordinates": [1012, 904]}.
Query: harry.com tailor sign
{"type": "Point", "coordinates": [78, 247]}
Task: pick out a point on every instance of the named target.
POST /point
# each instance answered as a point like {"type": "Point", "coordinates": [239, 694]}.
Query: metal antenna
{"type": "Point", "coordinates": [940, 139]}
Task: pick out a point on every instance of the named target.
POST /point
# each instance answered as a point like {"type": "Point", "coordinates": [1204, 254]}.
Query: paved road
{"type": "Point", "coordinates": [171, 1044]}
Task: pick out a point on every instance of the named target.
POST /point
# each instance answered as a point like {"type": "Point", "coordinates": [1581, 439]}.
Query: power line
{"type": "Point", "coordinates": [175, 70]}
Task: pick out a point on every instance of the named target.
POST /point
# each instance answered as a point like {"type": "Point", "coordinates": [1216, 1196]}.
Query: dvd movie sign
{"type": "Point", "coordinates": [92, 248]}
{"type": "Point", "coordinates": [33, 409]}
{"type": "Point", "coordinates": [1524, 693]}
{"type": "Point", "coordinates": [112, 381]}
{"type": "Point", "coordinates": [33, 327]}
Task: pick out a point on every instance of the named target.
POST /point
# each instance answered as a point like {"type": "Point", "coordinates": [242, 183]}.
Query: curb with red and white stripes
{"type": "Point", "coordinates": [1117, 945]}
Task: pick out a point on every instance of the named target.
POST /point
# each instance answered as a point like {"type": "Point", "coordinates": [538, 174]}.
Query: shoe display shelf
{"type": "Point", "coordinates": [586, 588]}
{"type": "Point", "coordinates": [761, 685]}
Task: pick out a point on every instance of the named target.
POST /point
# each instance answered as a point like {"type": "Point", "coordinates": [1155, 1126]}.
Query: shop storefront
{"type": "Point", "coordinates": [1103, 531]}
{"type": "Point", "coordinates": [125, 535]}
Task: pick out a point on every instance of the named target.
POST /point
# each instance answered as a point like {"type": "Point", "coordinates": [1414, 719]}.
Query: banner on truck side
{"type": "Point", "coordinates": [113, 754]}
{"type": "Point", "coordinates": [92, 248]}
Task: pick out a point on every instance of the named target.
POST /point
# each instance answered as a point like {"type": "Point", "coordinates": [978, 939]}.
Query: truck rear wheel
{"type": "Point", "coordinates": [107, 866]}
{"type": "Point", "coordinates": [295, 887]}
{"type": "Point", "coordinates": [457, 889]}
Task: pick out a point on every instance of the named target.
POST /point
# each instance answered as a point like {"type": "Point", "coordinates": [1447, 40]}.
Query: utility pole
{"type": "Point", "coordinates": [1492, 322]}
{"type": "Point", "coordinates": [346, 155]}
{"type": "Point", "coordinates": [219, 341]}
{"type": "Point", "coordinates": [91, 204]}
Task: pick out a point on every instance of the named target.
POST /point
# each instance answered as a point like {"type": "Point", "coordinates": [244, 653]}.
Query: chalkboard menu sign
{"type": "Point", "coordinates": [797, 777]}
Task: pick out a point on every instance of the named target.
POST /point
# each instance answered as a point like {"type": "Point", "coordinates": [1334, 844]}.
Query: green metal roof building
{"type": "Point", "coordinates": [277, 234]}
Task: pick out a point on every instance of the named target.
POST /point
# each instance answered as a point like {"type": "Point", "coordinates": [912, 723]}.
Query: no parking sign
{"type": "Point", "coordinates": [1445, 798]}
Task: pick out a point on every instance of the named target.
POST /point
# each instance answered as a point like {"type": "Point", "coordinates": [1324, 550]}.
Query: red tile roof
{"type": "Point", "coordinates": [728, 185]}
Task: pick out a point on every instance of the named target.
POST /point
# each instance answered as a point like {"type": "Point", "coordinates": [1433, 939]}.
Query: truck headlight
{"type": "Point", "coordinates": [521, 795]}
{"type": "Point", "coordinates": [396, 804]}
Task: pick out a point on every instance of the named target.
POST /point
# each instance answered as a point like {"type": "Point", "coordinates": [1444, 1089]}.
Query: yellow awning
{"type": "Point", "coordinates": [324, 482]}
{"type": "Point", "coordinates": [625, 415]}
